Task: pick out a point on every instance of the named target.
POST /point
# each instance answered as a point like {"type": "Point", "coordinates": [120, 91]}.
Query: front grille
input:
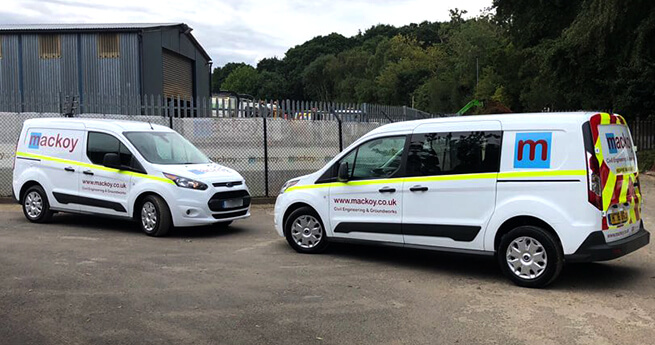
{"type": "Point", "coordinates": [230, 215]}
{"type": "Point", "coordinates": [227, 184]}
{"type": "Point", "coordinates": [216, 202]}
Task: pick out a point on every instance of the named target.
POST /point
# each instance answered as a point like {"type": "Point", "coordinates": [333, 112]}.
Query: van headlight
{"type": "Point", "coordinates": [288, 184]}
{"type": "Point", "coordinates": [186, 182]}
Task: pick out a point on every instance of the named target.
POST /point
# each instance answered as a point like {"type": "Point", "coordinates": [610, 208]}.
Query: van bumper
{"type": "Point", "coordinates": [594, 248]}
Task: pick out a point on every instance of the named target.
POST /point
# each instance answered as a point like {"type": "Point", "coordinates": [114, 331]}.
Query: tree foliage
{"type": "Point", "coordinates": [525, 56]}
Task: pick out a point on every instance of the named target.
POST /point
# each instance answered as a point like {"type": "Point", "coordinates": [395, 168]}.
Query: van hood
{"type": "Point", "coordinates": [208, 173]}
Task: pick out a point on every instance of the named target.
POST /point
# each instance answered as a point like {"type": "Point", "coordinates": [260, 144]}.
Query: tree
{"type": "Point", "coordinates": [271, 86]}
{"type": "Point", "coordinates": [317, 80]}
{"type": "Point", "coordinates": [299, 57]}
{"type": "Point", "coordinates": [244, 79]}
{"type": "Point", "coordinates": [220, 73]}
{"type": "Point", "coordinates": [530, 22]}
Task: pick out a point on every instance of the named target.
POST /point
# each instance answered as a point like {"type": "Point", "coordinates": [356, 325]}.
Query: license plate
{"type": "Point", "coordinates": [232, 203]}
{"type": "Point", "coordinates": [618, 217]}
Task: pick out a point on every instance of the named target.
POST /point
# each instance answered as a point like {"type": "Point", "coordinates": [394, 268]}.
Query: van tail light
{"type": "Point", "coordinates": [594, 182]}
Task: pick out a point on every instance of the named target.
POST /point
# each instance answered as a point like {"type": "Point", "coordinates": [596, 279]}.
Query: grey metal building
{"type": "Point", "coordinates": [100, 65]}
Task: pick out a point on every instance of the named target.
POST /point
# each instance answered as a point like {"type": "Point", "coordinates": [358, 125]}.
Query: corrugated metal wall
{"type": "Point", "coordinates": [113, 76]}
{"type": "Point", "coordinates": [47, 81]}
{"type": "Point", "coordinates": [9, 78]}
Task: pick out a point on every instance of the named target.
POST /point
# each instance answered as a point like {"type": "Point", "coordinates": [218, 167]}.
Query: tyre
{"type": "Point", "coordinates": [35, 205]}
{"type": "Point", "coordinates": [154, 216]}
{"type": "Point", "coordinates": [305, 232]}
{"type": "Point", "coordinates": [530, 256]}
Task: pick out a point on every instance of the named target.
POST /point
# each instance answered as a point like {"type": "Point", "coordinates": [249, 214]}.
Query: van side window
{"type": "Point", "coordinates": [453, 153]}
{"type": "Point", "coordinates": [100, 144]}
{"type": "Point", "coordinates": [378, 158]}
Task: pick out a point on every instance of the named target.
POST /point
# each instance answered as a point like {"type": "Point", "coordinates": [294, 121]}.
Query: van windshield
{"type": "Point", "coordinates": [618, 151]}
{"type": "Point", "coordinates": [166, 148]}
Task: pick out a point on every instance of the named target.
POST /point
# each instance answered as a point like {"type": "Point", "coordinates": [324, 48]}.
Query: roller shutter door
{"type": "Point", "coordinates": [178, 76]}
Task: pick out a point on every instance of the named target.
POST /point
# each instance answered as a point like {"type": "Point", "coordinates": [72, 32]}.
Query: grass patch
{"type": "Point", "coordinates": [646, 160]}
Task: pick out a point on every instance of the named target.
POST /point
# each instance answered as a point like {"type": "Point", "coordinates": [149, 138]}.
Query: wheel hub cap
{"type": "Point", "coordinates": [149, 216]}
{"type": "Point", "coordinates": [33, 204]}
{"type": "Point", "coordinates": [307, 231]}
{"type": "Point", "coordinates": [526, 258]}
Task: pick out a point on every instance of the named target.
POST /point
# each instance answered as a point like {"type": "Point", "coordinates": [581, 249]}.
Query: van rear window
{"type": "Point", "coordinates": [617, 149]}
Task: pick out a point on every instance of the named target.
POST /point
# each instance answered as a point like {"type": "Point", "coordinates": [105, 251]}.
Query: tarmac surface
{"type": "Point", "coordinates": [89, 280]}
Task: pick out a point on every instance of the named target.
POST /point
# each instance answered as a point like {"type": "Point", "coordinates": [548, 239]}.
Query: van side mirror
{"type": "Point", "coordinates": [111, 160]}
{"type": "Point", "coordinates": [344, 172]}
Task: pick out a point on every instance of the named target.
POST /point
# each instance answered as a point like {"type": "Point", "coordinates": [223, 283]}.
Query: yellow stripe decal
{"type": "Point", "coordinates": [546, 173]}
{"type": "Point", "coordinates": [512, 174]}
{"type": "Point", "coordinates": [92, 166]}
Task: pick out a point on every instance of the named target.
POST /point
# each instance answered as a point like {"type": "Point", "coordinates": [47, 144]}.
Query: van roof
{"type": "Point", "coordinates": [524, 121]}
{"type": "Point", "coordinates": [117, 126]}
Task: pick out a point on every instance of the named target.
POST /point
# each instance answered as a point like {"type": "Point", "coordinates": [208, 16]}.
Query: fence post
{"type": "Point", "coordinates": [170, 114]}
{"type": "Point", "coordinates": [339, 122]}
{"type": "Point", "coordinates": [265, 156]}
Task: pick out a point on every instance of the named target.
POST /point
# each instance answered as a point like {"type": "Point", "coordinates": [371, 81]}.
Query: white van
{"type": "Point", "coordinates": [535, 190]}
{"type": "Point", "coordinates": [124, 169]}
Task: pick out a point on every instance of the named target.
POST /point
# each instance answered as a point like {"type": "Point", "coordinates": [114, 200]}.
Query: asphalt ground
{"type": "Point", "coordinates": [89, 280]}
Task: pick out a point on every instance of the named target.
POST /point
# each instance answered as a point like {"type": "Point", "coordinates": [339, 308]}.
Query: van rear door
{"type": "Point", "coordinates": [614, 176]}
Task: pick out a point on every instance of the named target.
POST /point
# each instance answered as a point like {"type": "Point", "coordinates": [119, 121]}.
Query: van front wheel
{"type": "Point", "coordinates": [305, 232]}
{"type": "Point", "coordinates": [530, 256]}
{"type": "Point", "coordinates": [154, 216]}
{"type": "Point", "coordinates": [35, 205]}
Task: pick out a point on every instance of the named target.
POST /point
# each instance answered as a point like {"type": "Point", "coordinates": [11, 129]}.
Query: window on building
{"type": "Point", "coordinates": [0, 46]}
{"type": "Point", "coordinates": [108, 46]}
{"type": "Point", "coordinates": [453, 153]}
{"type": "Point", "coordinates": [49, 46]}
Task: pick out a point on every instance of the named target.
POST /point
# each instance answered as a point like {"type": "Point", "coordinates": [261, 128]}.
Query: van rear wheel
{"type": "Point", "coordinates": [155, 217]}
{"type": "Point", "coordinates": [305, 232]}
{"type": "Point", "coordinates": [35, 205]}
{"type": "Point", "coordinates": [530, 256]}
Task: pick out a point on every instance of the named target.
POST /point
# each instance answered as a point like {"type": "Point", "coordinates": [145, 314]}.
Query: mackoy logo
{"type": "Point", "coordinates": [37, 140]}
{"type": "Point", "coordinates": [532, 150]}
{"type": "Point", "coordinates": [614, 143]}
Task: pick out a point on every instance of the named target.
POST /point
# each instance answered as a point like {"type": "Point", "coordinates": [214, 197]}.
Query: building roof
{"type": "Point", "coordinates": [124, 27]}
{"type": "Point", "coordinates": [83, 27]}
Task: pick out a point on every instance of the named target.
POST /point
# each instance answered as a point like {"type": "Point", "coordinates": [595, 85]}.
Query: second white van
{"type": "Point", "coordinates": [533, 190]}
{"type": "Point", "coordinates": [125, 169]}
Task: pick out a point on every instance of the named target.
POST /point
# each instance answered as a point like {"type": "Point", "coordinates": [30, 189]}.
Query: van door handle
{"type": "Point", "coordinates": [387, 190]}
{"type": "Point", "coordinates": [87, 172]}
{"type": "Point", "coordinates": [69, 169]}
{"type": "Point", "coordinates": [418, 189]}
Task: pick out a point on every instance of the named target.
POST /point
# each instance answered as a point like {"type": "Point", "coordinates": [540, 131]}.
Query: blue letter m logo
{"type": "Point", "coordinates": [34, 140]}
{"type": "Point", "coordinates": [611, 143]}
{"type": "Point", "coordinates": [532, 150]}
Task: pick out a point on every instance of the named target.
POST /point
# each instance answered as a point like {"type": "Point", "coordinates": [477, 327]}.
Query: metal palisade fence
{"type": "Point", "coordinates": [268, 142]}
{"type": "Point", "coordinates": [179, 107]}
{"type": "Point", "coordinates": [643, 133]}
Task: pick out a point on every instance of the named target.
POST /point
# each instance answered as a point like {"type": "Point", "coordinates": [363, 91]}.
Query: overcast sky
{"type": "Point", "coordinates": [242, 30]}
